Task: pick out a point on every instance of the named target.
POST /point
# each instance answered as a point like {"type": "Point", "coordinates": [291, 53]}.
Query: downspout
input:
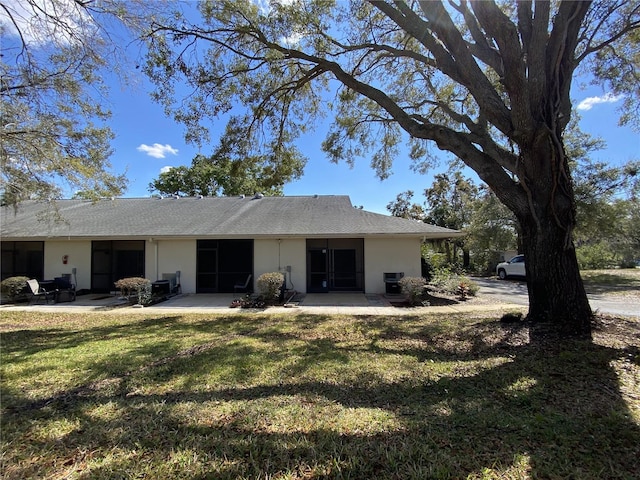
{"type": "Point", "coordinates": [279, 266]}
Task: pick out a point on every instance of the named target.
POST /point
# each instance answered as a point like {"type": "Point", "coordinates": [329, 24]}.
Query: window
{"type": "Point", "coordinates": [23, 259]}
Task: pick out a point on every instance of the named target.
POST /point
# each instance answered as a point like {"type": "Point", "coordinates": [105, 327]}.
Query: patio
{"type": "Point", "coordinates": [210, 301]}
{"type": "Point", "coordinates": [348, 303]}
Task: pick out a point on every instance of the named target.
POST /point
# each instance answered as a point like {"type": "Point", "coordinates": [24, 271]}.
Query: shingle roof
{"type": "Point", "coordinates": [219, 217]}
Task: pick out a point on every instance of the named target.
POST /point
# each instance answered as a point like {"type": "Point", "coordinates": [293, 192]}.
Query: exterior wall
{"type": "Point", "coordinates": [79, 252]}
{"type": "Point", "coordinates": [161, 256]}
{"type": "Point", "coordinates": [170, 256]}
{"type": "Point", "coordinates": [272, 255]}
{"type": "Point", "coordinates": [389, 255]}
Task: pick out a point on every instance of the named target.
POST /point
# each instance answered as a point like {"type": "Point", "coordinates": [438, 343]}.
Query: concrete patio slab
{"type": "Point", "coordinates": [219, 303]}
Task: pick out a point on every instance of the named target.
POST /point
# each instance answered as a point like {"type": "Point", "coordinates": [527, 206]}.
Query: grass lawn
{"type": "Point", "coordinates": [612, 281]}
{"type": "Point", "coordinates": [92, 396]}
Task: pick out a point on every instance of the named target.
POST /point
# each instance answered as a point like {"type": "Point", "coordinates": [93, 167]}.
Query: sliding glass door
{"type": "Point", "coordinates": [335, 265]}
{"type": "Point", "coordinates": [221, 264]}
{"type": "Point", "coordinates": [112, 260]}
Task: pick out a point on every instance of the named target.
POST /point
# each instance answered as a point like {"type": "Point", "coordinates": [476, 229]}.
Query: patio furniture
{"type": "Point", "coordinates": [38, 291]}
{"type": "Point", "coordinates": [242, 287]}
{"type": "Point", "coordinates": [66, 291]}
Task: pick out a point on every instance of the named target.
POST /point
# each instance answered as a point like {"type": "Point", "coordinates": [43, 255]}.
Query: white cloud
{"type": "Point", "coordinates": [589, 102]}
{"type": "Point", "coordinates": [166, 169]}
{"type": "Point", "coordinates": [292, 40]}
{"type": "Point", "coordinates": [157, 150]}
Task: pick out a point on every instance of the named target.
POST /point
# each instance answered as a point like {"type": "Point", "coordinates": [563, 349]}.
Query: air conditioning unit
{"type": "Point", "coordinates": [391, 280]}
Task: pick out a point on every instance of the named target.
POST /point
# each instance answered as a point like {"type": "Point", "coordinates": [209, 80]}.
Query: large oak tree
{"type": "Point", "coordinates": [489, 82]}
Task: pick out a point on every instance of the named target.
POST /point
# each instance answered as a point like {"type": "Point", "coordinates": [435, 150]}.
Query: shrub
{"type": "Point", "coordinates": [247, 301]}
{"type": "Point", "coordinates": [463, 289]}
{"type": "Point", "coordinates": [511, 317]}
{"type": "Point", "coordinates": [139, 286]}
{"type": "Point", "coordinates": [453, 283]}
{"type": "Point", "coordinates": [437, 260]}
{"type": "Point", "coordinates": [12, 288]}
{"type": "Point", "coordinates": [597, 255]}
{"type": "Point", "coordinates": [270, 285]}
{"type": "Point", "coordinates": [413, 288]}
{"type": "Point", "coordinates": [441, 277]}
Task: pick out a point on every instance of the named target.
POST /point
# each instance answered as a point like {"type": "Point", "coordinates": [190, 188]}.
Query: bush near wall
{"type": "Point", "coordinates": [13, 288]}
{"type": "Point", "coordinates": [138, 286]}
{"type": "Point", "coordinates": [270, 286]}
{"type": "Point", "coordinates": [413, 288]}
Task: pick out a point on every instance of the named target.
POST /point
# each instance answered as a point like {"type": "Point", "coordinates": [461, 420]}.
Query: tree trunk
{"type": "Point", "coordinates": [557, 298]}
{"type": "Point", "coordinates": [558, 302]}
{"type": "Point", "coordinates": [466, 258]}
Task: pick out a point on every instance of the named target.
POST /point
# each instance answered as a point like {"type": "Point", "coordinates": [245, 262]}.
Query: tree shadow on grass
{"type": "Point", "coordinates": [611, 283]}
{"type": "Point", "coordinates": [550, 410]}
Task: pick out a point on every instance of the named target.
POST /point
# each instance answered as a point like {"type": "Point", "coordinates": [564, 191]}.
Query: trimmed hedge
{"type": "Point", "coordinates": [270, 286]}
{"type": "Point", "coordinates": [139, 286]}
{"type": "Point", "coordinates": [13, 288]}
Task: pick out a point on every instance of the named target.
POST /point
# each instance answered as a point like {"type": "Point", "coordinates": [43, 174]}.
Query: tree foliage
{"type": "Point", "coordinates": [403, 207]}
{"type": "Point", "coordinates": [492, 230]}
{"type": "Point", "coordinates": [607, 198]}
{"type": "Point", "coordinates": [608, 202]}
{"type": "Point", "coordinates": [607, 206]}
{"type": "Point", "coordinates": [231, 170]}
{"type": "Point", "coordinates": [455, 201]}
{"type": "Point", "coordinates": [450, 200]}
{"type": "Point", "coordinates": [488, 82]}
{"type": "Point", "coordinates": [53, 134]}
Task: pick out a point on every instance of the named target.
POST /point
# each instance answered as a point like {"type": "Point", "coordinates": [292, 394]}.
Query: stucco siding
{"type": "Point", "coordinates": [389, 255]}
{"type": "Point", "coordinates": [168, 256]}
{"type": "Point", "coordinates": [79, 257]}
{"type": "Point", "coordinates": [273, 255]}
{"type": "Point", "coordinates": [173, 256]}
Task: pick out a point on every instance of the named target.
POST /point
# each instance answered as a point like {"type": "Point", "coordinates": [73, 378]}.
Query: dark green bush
{"type": "Point", "coordinates": [596, 256]}
{"type": "Point", "coordinates": [13, 288]}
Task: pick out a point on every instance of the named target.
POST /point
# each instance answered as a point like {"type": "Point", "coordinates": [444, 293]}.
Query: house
{"type": "Point", "coordinates": [321, 243]}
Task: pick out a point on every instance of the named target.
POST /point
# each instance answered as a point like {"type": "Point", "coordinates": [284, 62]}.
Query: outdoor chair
{"type": "Point", "coordinates": [242, 287]}
{"type": "Point", "coordinates": [38, 292]}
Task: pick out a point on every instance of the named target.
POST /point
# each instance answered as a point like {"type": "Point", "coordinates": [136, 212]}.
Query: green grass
{"type": "Point", "coordinates": [612, 281]}
{"type": "Point", "coordinates": [92, 396]}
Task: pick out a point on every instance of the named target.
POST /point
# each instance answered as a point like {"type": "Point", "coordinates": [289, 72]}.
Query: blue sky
{"type": "Point", "coordinates": [147, 141]}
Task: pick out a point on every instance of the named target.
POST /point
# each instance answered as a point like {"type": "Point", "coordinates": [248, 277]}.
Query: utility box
{"type": "Point", "coordinates": [160, 287]}
{"type": "Point", "coordinates": [391, 280]}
